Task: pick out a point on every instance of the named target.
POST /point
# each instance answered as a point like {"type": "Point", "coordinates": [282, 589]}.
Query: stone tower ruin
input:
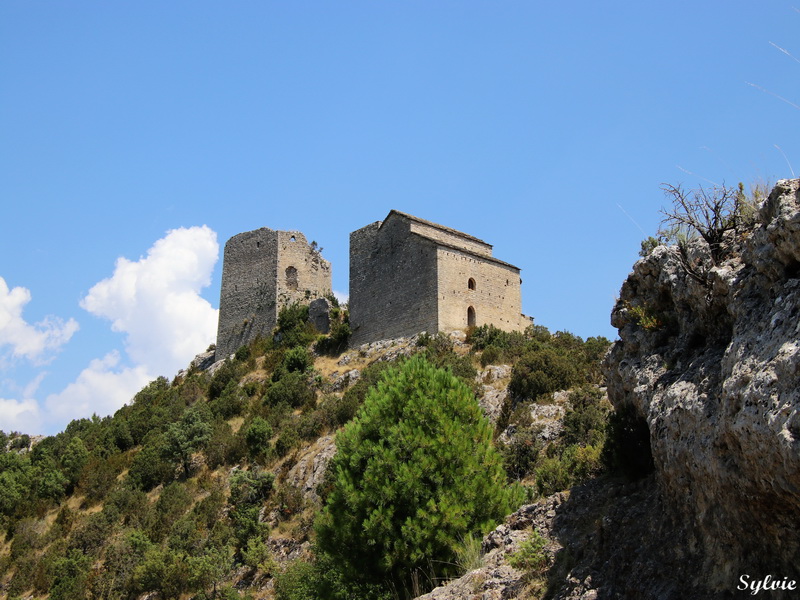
{"type": "Point", "coordinates": [409, 275]}
{"type": "Point", "coordinates": [263, 271]}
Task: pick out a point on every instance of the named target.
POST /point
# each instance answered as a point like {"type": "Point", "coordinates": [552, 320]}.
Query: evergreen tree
{"type": "Point", "coordinates": [415, 471]}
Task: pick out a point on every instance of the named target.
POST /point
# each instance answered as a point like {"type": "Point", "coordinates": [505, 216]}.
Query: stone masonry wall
{"type": "Point", "coordinates": [255, 287]}
{"type": "Point", "coordinates": [247, 295]}
{"type": "Point", "coordinates": [392, 282]}
{"type": "Point", "coordinates": [451, 238]}
{"type": "Point", "coordinates": [495, 299]}
{"type": "Point", "coordinates": [312, 273]}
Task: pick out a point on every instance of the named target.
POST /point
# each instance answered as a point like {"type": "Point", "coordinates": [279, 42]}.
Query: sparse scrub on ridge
{"type": "Point", "coordinates": [719, 215]}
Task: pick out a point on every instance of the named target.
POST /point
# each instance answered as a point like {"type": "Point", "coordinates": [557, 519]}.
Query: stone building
{"type": "Point", "coordinates": [409, 275]}
{"type": "Point", "coordinates": [262, 271]}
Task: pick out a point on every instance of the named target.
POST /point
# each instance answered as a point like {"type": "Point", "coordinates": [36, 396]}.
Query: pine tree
{"type": "Point", "coordinates": [414, 473]}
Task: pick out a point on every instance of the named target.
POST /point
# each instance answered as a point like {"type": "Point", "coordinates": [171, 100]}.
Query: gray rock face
{"type": "Point", "coordinates": [309, 470]}
{"type": "Point", "coordinates": [493, 391]}
{"type": "Point", "coordinates": [714, 370]}
{"type": "Point", "coordinates": [319, 313]}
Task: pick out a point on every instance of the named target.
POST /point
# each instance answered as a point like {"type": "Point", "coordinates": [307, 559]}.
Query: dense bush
{"type": "Point", "coordinates": [413, 472]}
{"type": "Point", "coordinates": [293, 327]}
{"type": "Point", "coordinates": [149, 467]}
{"type": "Point", "coordinates": [543, 371]}
{"type": "Point", "coordinates": [337, 339]}
{"type": "Point", "coordinates": [249, 491]}
{"type": "Point", "coordinates": [586, 419]}
{"type": "Point", "coordinates": [521, 454]}
{"type": "Point", "coordinates": [257, 436]}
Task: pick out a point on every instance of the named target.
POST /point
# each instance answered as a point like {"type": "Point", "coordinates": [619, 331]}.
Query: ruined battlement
{"type": "Point", "coordinates": [263, 271]}
{"type": "Point", "coordinates": [407, 275]}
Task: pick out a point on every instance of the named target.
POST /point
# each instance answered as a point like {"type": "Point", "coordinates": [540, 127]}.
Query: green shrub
{"type": "Point", "coordinates": [311, 425]}
{"type": "Point", "coordinates": [249, 492]}
{"type": "Point", "coordinates": [222, 377]}
{"type": "Point", "coordinates": [491, 355]}
{"type": "Point", "coordinates": [553, 475]}
{"type": "Point", "coordinates": [149, 468]}
{"type": "Point", "coordinates": [531, 556]}
{"type": "Point", "coordinates": [648, 245]}
{"type": "Point", "coordinates": [288, 440]}
{"type": "Point", "coordinates": [646, 317]}
{"type": "Point", "coordinates": [337, 411]}
{"type": "Point", "coordinates": [414, 471]}
{"type": "Point", "coordinates": [439, 352]}
{"type": "Point", "coordinates": [173, 502]}
{"type": "Point", "coordinates": [298, 581]}
{"type": "Point", "coordinates": [297, 359]}
{"type": "Point", "coordinates": [223, 447]}
{"type": "Point", "coordinates": [336, 341]}
{"type": "Point", "coordinates": [542, 372]}
{"type": "Point", "coordinates": [242, 354]}
{"type": "Point", "coordinates": [292, 389]}
{"type": "Point", "coordinates": [322, 579]}
{"type": "Point", "coordinates": [98, 479]}
{"type": "Point", "coordinates": [185, 437]}
{"type": "Point", "coordinates": [257, 436]}
{"type": "Point", "coordinates": [250, 487]}
{"type": "Point", "coordinates": [257, 555]}
{"type": "Point", "coordinates": [293, 326]}
{"type": "Point", "coordinates": [230, 402]}
{"type": "Point", "coordinates": [586, 461]}
{"type": "Point", "coordinates": [71, 573]}
{"type": "Point", "coordinates": [586, 419]}
{"type": "Point", "coordinates": [288, 500]}
{"type": "Point", "coordinates": [521, 454]}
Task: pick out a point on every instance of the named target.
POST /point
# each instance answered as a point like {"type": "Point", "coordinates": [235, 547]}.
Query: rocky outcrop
{"type": "Point", "coordinates": [319, 315]}
{"type": "Point", "coordinates": [606, 539]}
{"type": "Point", "coordinates": [493, 382]}
{"type": "Point", "coordinates": [709, 357]}
{"type": "Point", "coordinates": [309, 470]}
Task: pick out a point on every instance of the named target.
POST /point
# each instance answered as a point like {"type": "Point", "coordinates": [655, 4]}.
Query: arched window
{"type": "Point", "coordinates": [291, 278]}
{"type": "Point", "coordinates": [470, 317]}
{"type": "Point", "coordinates": [292, 239]}
{"type": "Point", "coordinates": [471, 283]}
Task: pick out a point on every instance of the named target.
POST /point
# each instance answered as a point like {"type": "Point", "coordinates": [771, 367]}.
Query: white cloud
{"type": "Point", "coordinates": [156, 300]}
{"type": "Point", "coordinates": [101, 388]}
{"type": "Point", "coordinates": [33, 342]}
{"type": "Point", "coordinates": [20, 415]}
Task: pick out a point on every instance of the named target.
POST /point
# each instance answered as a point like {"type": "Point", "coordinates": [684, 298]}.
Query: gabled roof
{"type": "Point", "coordinates": [436, 225]}
{"type": "Point", "coordinates": [450, 230]}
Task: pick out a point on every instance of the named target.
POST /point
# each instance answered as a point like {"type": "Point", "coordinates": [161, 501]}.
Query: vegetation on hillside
{"type": "Point", "coordinates": [185, 490]}
{"type": "Point", "coordinates": [413, 474]}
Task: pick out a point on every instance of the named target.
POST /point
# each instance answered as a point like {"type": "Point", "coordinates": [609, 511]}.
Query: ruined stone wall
{"type": "Point", "coordinates": [256, 283]}
{"type": "Point", "coordinates": [302, 274]}
{"type": "Point", "coordinates": [247, 297]}
{"type": "Point", "coordinates": [392, 282]}
{"type": "Point", "coordinates": [495, 299]}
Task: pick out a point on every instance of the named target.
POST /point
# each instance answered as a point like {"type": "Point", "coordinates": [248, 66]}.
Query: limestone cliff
{"type": "Point", "coordinates": [709, 356]}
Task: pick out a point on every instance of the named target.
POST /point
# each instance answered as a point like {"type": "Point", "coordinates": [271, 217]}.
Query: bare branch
{"type": "Point", "coordinates": [709, 213]}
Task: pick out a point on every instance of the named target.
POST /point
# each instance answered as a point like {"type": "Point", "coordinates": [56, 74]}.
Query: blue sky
{"type": "Point", "coordinates": [136, 137]}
